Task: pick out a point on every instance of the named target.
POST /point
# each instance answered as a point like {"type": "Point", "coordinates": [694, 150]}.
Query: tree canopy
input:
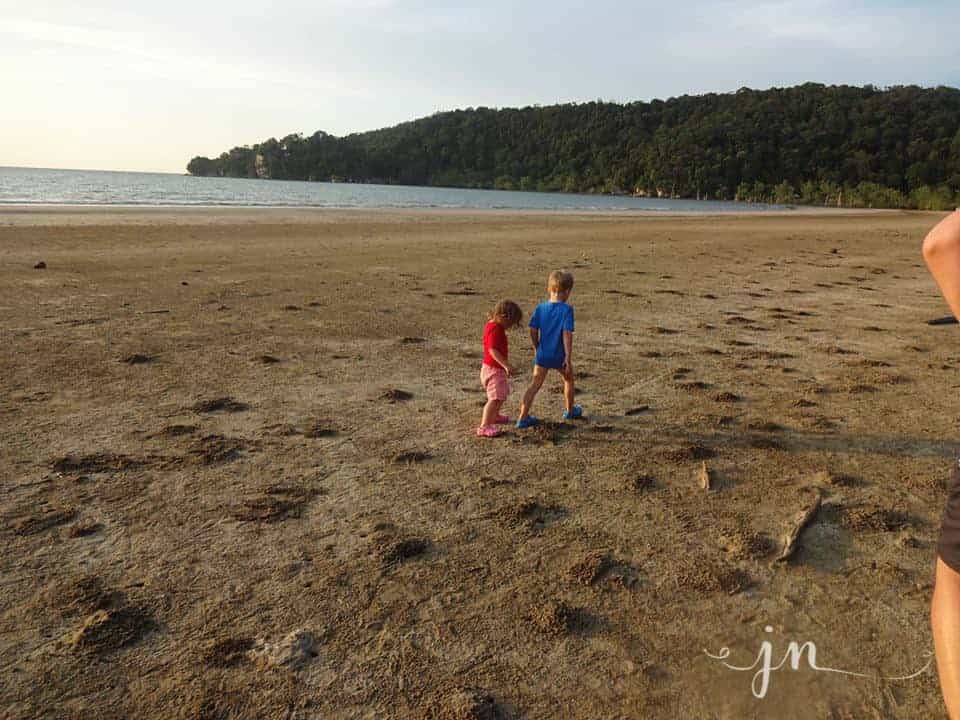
{"type": "Point", "coordinates": [813, 144]}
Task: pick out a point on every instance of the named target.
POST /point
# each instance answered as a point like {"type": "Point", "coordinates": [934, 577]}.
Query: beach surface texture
{"type": "Point", "coordinates": [239, 476]}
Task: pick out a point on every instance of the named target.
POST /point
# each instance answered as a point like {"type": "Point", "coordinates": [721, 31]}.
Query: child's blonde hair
{"type": "Point", "coordinates": [506, 311]}
{"type": "Point", "coordinates": [560, 281]}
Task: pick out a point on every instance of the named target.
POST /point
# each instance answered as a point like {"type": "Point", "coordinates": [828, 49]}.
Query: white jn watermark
{"type": "Point", "coordinates": [763, 664]}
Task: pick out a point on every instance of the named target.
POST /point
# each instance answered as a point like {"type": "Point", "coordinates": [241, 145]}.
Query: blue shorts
{"type": "Point", "coordinates": [549, 363]}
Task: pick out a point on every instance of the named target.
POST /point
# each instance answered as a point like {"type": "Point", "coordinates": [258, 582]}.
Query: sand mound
{"type": "Point", "coordinates": [293, 652]}
{"type": "Point", "coordinates": [108, 630]}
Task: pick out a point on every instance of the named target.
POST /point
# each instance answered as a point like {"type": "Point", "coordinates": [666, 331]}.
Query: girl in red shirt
{"type": "Point", "coordinates": [496, 368]}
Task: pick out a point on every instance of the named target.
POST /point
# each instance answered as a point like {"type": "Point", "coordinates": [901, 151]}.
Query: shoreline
{"type": "Point", "coordinates": [66, 214]}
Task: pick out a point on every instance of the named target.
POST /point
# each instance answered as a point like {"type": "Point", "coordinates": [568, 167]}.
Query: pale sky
{"type": "Point", "coordinates": [132, 85]}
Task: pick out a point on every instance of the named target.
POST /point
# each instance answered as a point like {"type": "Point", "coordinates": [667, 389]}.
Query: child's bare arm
{"type": "Point", "coordinates": [535, 337]}
{"type": "Point", "coordinates": [568, 348]}
{"type": "Point", "coordinates": [941, 251]}
{"type": "Point", "coordinates": [498, 356]}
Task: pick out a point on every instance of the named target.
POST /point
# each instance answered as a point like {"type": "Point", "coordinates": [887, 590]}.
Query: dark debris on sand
{"type": "Point", "coordinates": [228, 652]}
{"type": "Point", "coordinates": [319, 429]}
{"type": "Point", "coordinates": [554, 618]}
{"type": "Point", "coordinates": [461, 291]}
{"type": "Point", "coordinates": [693, 451]}
{"type": "Point", "coordinates": [692, 386]}
{"type": "Point", "coordinates": [80, 597]}
{"type": "Point", "coordinates": [394, 395]}
{"type": "Point", "coordinates": [763, 442]}
{"type": "Point", "coordinates": [84, 529]}
{"type": "Point", "coordinates": [47, 518]}
{"type": "Point", "coordinates": [765, 426]}
{"type": "Point", "coordinates": [532, 513]}
{"type": "Point", "coordinates": [138, 359]}
{"type": "Point", "coordinates": [276, 504]}
{"type": "Point", "coordinates": [546, 431]}
{"type": "Point", "coordinates": [463, 703]}
{"type": "Point", "coordinates": [640, 482]}
{"type": "Point", "coordinates": [220, 404]}
{"type": "Point", "coordinates": [177, 430]}
{"type": "Point", "coordinates": [411, 456]}
{"type": "Point", "coordinates": [392, 551]}
{"type": "Point", "coordinates": [96, 463]}
{"type": "Point", "coordinates": [591, 568]}
{"type": "Point", "coordinates": [214, 449]}
{"type": "Point", "coordinates": [743, 544]}
{"type": "Point", "coordinates": [710, 577]}
{"type": "Point", "coordinates": [486, 482]}
{"type": "Point", "coordinates": [558, 389]}
{"type": "Point", "coordinates": [868, 517]}
{"type": "Point", "coordinates": [727, 397]}
{"type": "Point", "coordinates": [829, 478]}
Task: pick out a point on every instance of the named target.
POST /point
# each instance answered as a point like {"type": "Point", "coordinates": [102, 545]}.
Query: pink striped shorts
{"type": "Point", "coordinates": [494, 381]}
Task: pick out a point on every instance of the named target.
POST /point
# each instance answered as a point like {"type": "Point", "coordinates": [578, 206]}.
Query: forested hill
{"type": "Point", "coordinates": [898, 147]}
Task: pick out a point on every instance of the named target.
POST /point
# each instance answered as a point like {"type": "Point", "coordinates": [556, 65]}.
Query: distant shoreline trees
{"type": "Point", "coordinates": [811, 144]}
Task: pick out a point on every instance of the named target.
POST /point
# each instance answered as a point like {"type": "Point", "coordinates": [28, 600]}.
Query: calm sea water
{"type": "Point", "coordinates": [94, 187]}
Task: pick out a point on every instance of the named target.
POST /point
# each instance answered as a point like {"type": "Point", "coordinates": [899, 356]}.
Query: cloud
{"type": "Point", "coordinates": [816, 22]}
{"type": "Point", "coordinates": [141, 53]}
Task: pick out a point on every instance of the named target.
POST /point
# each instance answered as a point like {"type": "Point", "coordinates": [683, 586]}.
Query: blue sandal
{"type": "Point", "coordinates": [528, 422]}
{"type": "Point", "coordinates": [574, 413]}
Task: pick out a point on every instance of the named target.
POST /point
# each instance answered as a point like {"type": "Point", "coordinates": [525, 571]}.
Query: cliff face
{"type": "Point", "coordinates": [261, 168]}
{"type": "Point", "coordinates": [896, 148]}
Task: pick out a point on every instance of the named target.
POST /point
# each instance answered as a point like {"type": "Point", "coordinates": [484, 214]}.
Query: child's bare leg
{"type": "Point", "coordinates": [568, 388]}
{"type": "Point", "coordinates": [539, 375]}
{"type": "Point", "coordinates": [945, 622]}
{"type": "Point", "coordinates": [490, 412]}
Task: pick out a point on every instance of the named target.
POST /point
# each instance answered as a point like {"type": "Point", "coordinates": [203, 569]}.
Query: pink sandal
{"type": "Point", "coordinates": [488, 431]}
{"type": "Point", "coordinates": [501, 420]}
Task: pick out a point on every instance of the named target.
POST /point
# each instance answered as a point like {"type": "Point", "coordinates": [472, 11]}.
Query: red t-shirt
{"type": "Point", "coordinates": [494, 338]}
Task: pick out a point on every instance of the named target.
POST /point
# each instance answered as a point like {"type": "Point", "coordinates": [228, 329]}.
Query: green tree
{"type": "Point", "coordinates": [812, 143]}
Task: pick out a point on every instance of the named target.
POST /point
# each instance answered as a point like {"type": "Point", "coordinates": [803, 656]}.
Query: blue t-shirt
{"type": "Point", "coordinates": [551, 319]}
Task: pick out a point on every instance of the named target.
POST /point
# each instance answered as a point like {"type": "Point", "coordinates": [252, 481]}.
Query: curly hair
{"type": "Point", "coordinates": [506, 312]}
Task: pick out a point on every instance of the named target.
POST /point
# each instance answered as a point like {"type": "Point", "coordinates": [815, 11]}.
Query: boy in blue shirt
{"type": "Point", "coordinates": [551, 329]}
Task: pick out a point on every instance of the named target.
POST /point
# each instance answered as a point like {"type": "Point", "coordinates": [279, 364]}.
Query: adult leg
{"type": "Point", "coordinates": [539, 375]}
{"type": "Point", "coordinates": [941, 251]}
{"type": "Point", "coordinates": [945, 622]}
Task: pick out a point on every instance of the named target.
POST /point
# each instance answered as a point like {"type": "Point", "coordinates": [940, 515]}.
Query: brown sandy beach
{"type": "Point", "coordinates": [223, 427]}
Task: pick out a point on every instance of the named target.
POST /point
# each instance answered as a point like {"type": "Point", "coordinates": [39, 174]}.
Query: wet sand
{"type": "Point", "coordinates": [224, 427]}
